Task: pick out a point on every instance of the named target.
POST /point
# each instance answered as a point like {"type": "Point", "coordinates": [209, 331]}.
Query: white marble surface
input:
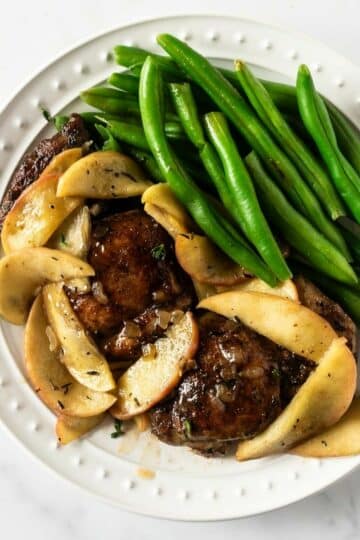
{"type": "Point", "coordinates": [33, 502]}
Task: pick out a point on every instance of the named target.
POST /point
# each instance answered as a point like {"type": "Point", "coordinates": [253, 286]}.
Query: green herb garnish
{"type": "Point", "coordinates": [275, 372]}
{"type": "Point", "coordinates": [46, 114]}
{"type": "Point", "coordinates": [187, 428]}
{"type": "Point", "coordinates": [63, 240]}
{"type": "Point", "coordinates": [118, 427]}
{"type": "Point", "coordinates": [159, 252]}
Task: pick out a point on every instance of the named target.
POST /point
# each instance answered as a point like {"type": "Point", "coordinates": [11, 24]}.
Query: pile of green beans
{"type": "Point", "coordinates": [317, 121]}
{"type": "Point", "coordinates": [203, 212]}
{"type": "Point", "coordinates": [171, 114]}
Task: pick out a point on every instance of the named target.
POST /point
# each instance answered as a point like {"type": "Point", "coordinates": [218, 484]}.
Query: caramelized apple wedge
{"type": "Point", "coordinates": [80, 355]}
{"type": "Point", "coordinates": [326, 394]}
{"type": "Point", "coordinates": [103, 175]}
{"type": "Point", "coordinates": [24, 271]}
{"type": "Point", "coordinates": [49, 377]}
{"type": "Point", "coordinates": [38, 212]}
{"type": "Point", "coordinates": [199, 258]}
{"type": "Point", "coordinates": [71, 428]}
{"type": "Point", "coordinates": [152, 377]}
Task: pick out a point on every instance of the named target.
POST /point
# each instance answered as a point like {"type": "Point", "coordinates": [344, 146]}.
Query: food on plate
{"type": "Point", "coordinates": [341, 439]}
{"type": "Point", "coordinates": [23, 272]}
{"type": "Point", "coordinates": [328, 391]}
{"type": "Point", "coordinates": [73, 235]}
{"type": "Point", "coordinates": [103, 175]}
{"type": "Point", "coordinates": [191, 267]}
{"type": "Point", "coordinates": [49, 377]}
{"type": "Point", "coordinates": [20, 230]}
{"type": "Point", "coordinates": [71, 428]}
{"type": "Point", "coordinates": [79, 354]}
{"type": "Point", "coordinates": [73, 134]}
{"type": "Point", "coordinates": [159, 369]}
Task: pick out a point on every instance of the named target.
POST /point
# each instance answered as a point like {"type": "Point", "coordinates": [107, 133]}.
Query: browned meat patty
{"type": "Point", "coordinates": [317, 301]}
{"type": "Point", "coordinates": [235, 391]}
{"type": "Point", "coordinates": [139, 279]}
{"type": "Point", "coordinates": [73, 134]}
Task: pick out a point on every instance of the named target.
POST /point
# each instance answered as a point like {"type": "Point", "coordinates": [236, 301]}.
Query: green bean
{"type": "Point", "coordinates": [198, 205]}
{"type": "Point", "coordinates": [147, 161]}
{"type": "Point", "coordinates": [237, 110]}
{"type": "Point", "coordinates": [109, 142]}
{"type": "Point", "coordinates": [296, 230]}
{"type": "Point", "coordinates": [110, 100]}
{"type": "Point", "coordinates": [318, 123]}
{"type": "Point", "coordinates": [306, 163]}
{"type": "Point", "coordinates": [347, 297]}
{"type": "Point", "coordinates": [248, 213]}
{"type": "Point", "coordinates": [125, 82]}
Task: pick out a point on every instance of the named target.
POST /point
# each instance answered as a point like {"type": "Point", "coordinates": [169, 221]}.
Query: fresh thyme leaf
{"type": "Point", "coordinates": [275, 372]}
{"type": "Point", "coordinates": [187, 428]}
{"type": "Point", "coordinates": [92, 372]}
{"type": "Point", "coordinates": [118, 427]}
{"type": "Point", "coordinates": [61, 405]}
{"type": "Point", "coordinates": [63, 240]}
{"type": "Point", "coordinates": [46, 114]}
{"type": "Point", "coordinates": [159, 252]}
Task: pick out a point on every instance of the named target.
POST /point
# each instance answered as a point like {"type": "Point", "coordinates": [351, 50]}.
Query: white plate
{"type": "Point", "coordinates": [186, 486]}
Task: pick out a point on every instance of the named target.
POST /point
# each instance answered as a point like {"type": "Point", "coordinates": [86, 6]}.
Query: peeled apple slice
{"type": "Point", "coordinates": [103, 175]}
{"type": "Point", "coordinates": [327, 393]}
{"type": "Point", "coordinates": [151, 378]}
{"type": "Point", "coordinates": [49, 377]}
{"type": "Point", "coordinates": [162, 205]}
{"type": "Point", "coordinates": [199, 258]}
{"type": "Point", "coordinates": [38, 212]}
{"type": "Point", "coordinates": [80, 355]}
{"type": "Point", "coordinates": [73, 235]}
{"type": "Point", "coordinates": [286, 289]}
{"type": "Point", "coordinates": [69, 429]}
{"type": "Point", "coordinates": [342, 439]}
{"type": "Point", "coordinates": [23, 272]}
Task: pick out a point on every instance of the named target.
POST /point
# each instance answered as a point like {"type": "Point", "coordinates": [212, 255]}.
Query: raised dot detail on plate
{"type": "Point", "coordinates": [55, 445]}
{"type": "Point", "coordinates": [240, 492]}
{"type": "Point", "coordinates": [270, 486]}
{"type": "Point", "coordinates": [34, 426]}
{"type": "Point", "coordinates": [78, 461]}
{"type": "Point", "coordinates": [35, 102]}
{"type": "Point", "coordinates": [184, 495]}
{"type": "Point", "coordinates": [240, 38]}
{"type": "Point", "coordinates": [267, 45]}
{"type": "Point", "coordinates": [212, 494]}
{"type": "Point", "coordinates": [340, 83]}
{"type": "Point", "coordinates": [82, 69]}
{"type": "Point", "coordinates": [15, 405]}
{"type": "Point", "coordinates": [129, 484]}
{"type": "Point", "coordinates": [296, 475]}
{"type": "Point", "coordinates": [317, 68]}
{"type": "Point", "coordinates": [103, 473]}
{"type": "Point", "coordinates": [20, 123]}
{"type": "Point", "coordinates": [157, 491]}
{"type": "Point", "coordinates": [4, 146]}
{"type": "Point", "coordinates": [185, 35]}
{"type": "Point", "coordinates": [59, 85]}
{"type": "Point", "coordinates": [293, 55]}
{"type": "Point", "coordinates": [2, 381]}
{"type": "Point", "coordinates": [213, 36]}
{"type": "Point", "coordinates": [106, 56]}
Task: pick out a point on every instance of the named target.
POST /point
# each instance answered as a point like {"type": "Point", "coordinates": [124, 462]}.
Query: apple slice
{"type": "Point", "coordinates": [328, 391]}
{"type": "Point", "coordinates": [103, 175]}
{"type": "Point", "coordinates": [80, 355]}
{"type": "Point", "coordinates": [286, 289]}
{"type": "Point", "coordinates": [199, 258]}
{"type": "Point", "coordinates": [342, 439]}
{"type": "Point", "coordinates": [23, 272]}
{"type": "Point", "coordinates": [162, 205]}
{"type": "Point", "coordinates": [71, 428]}
{"type": "Point", "coordinates": [49, 377]}
{"type": "Point", "coordinates": [73, 235]}
{"type": "Point", "coordinates": [38, 212]}
{"type": "Point", "coordinates": [152, 377]}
